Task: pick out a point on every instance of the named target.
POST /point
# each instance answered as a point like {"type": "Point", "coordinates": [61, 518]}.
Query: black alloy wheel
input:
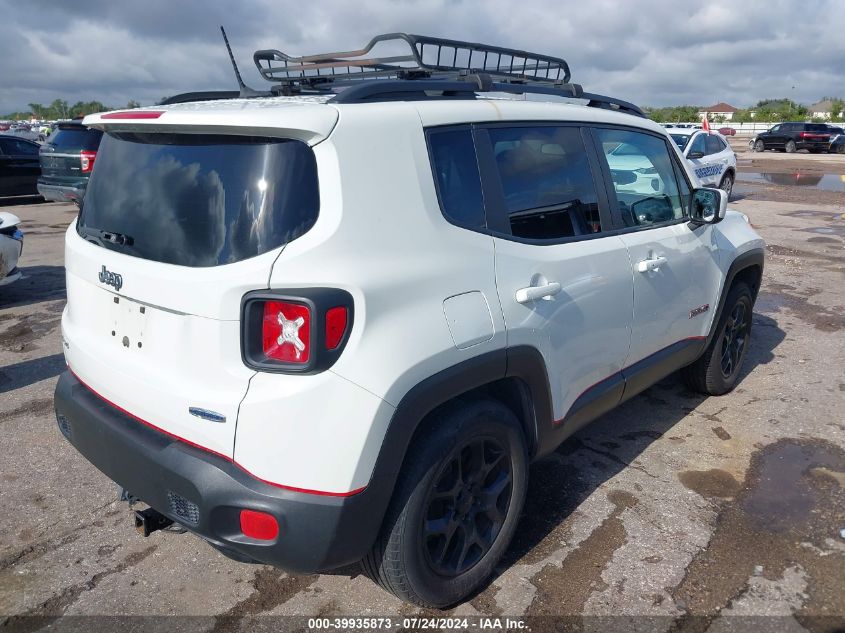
{"type": "Point", "coordinates": [467, 506]}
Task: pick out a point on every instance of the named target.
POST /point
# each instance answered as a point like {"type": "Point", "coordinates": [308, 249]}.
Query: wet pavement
{"type": "Point", "coordinates": [675, 512]}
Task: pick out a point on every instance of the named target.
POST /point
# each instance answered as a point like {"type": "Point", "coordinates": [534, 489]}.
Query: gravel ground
{"type": "Point", "coordinates": [674, 512]}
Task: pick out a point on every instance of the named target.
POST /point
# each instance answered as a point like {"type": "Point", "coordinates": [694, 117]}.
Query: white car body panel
{"type": "Point", "coordinates": [10, 249]}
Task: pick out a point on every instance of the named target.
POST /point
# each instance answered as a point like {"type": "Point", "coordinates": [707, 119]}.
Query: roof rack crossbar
{"type": "Point", "coordinates": [426, 56]}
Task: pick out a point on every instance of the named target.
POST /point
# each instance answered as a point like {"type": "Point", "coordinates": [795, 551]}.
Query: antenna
{"type": "Point", "coordinates": [245, 91]}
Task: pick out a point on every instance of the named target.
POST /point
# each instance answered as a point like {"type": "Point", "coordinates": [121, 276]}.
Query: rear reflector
{"type": "Point", "coordinates": [259, 525]}
{"type": "Point", "coordinates": [138, 114]}
{"type": "Point", "coordinates": [336, 320]}
{"type": "Point", "coordinates": [286, 331]}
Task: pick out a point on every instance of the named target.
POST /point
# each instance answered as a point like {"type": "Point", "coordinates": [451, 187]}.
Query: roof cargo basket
{"type": "Point", "coordinates": [419, 56]}
{"type": "Point", "coordinates": [425, 67]}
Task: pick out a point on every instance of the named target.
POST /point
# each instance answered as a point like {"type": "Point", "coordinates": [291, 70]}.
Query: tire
{"type": "Point", "coordinates": [710, 375]}
{"type": "Point", "coordinates": [840, 149]}
{"type": "Point", "coordinates": [790, 147]}
{"type": "Point", "coordinates": [431, 569]}
{"type": "Point", "coordinates": [727, 184]}
{"type": "Point", "coordinates": [759, 146]}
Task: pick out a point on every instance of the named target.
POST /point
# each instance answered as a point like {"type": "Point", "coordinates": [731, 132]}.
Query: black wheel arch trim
{"type": "Point", "coordinates": [744, 261]}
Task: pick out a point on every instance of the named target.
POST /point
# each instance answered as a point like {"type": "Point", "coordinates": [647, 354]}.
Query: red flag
{"type": "Point", "coordinates": [705, 124]}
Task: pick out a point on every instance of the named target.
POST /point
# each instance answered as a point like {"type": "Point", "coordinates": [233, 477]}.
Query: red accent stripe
{"type": "Point", "coordinates": [133, 115]}
{"type": "Point", "coordinates": [689, 338]}
{"type": "Point", "coordinates": [177, 438]}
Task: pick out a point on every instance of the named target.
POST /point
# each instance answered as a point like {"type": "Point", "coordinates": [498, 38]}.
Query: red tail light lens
{"type": "Point", "coordinates": [336, 320]}
{"type": "Point", "coordinates": [259, 525]}
{"type": "Point", "coordinates": [286, 331]}
{"type": "Point", "coordinates": [87, 158]}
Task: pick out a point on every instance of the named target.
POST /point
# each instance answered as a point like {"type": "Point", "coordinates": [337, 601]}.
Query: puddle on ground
{"type": "Point", "coordinates": [788, 512]}
{"type": "Point", "coordinates": [826, 182]}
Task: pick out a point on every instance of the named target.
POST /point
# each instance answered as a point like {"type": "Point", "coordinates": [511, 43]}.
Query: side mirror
{"type": "Point", "coordinates": [693, 155]}
{"type": "Point", "coordinates": [709, 206]}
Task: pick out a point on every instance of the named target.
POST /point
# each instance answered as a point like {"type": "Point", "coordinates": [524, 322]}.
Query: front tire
{"type": "Point", "coordinates": [455, 508]}
{"type": "Point", "coordinates": [727, 184]}
{"type": "Point", "coordinates": [790, 147]}
{"type": "Point", "coordinates": [759, 146]}
{"type": "Point", "coordinates": [717, 371]}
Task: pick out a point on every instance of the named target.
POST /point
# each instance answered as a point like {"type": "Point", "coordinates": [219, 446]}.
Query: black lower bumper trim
{"type": "Point", "coordinates": [316, 533]}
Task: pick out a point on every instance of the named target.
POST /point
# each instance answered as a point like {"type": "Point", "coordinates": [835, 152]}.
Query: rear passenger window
{"type": "Point", "coordinates": [456, 175]}
{"type": "Point", "coordinates": [546, 181]}
{"type": "Point", "coordinates": [643, 177]}
{"type": "Point", "coordinates": [713, 144]}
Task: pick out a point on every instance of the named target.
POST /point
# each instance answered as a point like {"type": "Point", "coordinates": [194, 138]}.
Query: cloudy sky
{"type": "Point", "coordinates": [651, 52]}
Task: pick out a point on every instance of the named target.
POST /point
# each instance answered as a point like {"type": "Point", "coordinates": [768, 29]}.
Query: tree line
{"type": "Point", "coordinates": [61, 109]}
{"type": "Point", "coordinates": [767, 110]}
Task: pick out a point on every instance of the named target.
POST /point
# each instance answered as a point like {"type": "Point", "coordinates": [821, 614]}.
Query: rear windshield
{"type": "Point", "coordinates": [75, 138]}
{"type": "Point", "coordinates": [199, 201]}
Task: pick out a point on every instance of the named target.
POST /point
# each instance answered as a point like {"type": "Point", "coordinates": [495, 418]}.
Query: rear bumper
{"type": "Point", "coordinates": [205, 492]}
{"type": "Point", "coordinates": [818, 145]}
{"type": "Point", "coordinates": [61, 193]}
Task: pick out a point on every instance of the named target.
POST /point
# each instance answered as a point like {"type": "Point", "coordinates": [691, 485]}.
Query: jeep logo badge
{"type": "Point", "coordinates": [111, 279]}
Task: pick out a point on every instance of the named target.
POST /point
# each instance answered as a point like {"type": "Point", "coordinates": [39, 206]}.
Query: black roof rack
{"type": "Point", "coordinates": [423, 56]}
{"type": "Point", "coordinates": [428, 67]}
{"type": "Point", "coordinates": [425, 68]}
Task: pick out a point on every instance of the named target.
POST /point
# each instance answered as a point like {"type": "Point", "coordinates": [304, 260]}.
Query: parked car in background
{"type": "Point", "coordinates": [792, 136]}
{"type": "Point", "coordinates": [67, 159]}
{"type": "Point", "coordinates": [710, 155]}
{"type": "Point", "coordinates": [11, 245]}
{"type": "Point", "coordinates": [727, 131]}
{"type": "Point", "coordinates": [19, 168]}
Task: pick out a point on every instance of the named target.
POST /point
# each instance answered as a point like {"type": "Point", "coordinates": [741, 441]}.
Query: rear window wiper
{"type": "Point", "coordinates": [114, 237]}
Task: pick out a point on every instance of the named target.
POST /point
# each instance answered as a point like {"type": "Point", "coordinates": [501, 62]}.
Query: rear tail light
{"type": "Point", "coordinates": [87, 158]}
{"type": "Point", "coordinates": [259, 525]}
{"type": "Point", "coordinates": [297, 331]}
{"type": "Point", "coordinates": [285, 331]}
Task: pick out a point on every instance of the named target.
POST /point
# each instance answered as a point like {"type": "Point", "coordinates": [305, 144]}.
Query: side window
{"type": "Point", "coordinates": [775, 128]}
{"type": "Point", "coordinates": [713, 144]}
{"type": "Point", "coordinates": [456, 176]}
{"type": "Point", "coordinates": [547, 183]}
{"type": "Point", "coordinates": [698, 145]}
{"type": "Point", "coordinates": [26, 149]}
{"type": "Point", "coordinates": [645, 183]}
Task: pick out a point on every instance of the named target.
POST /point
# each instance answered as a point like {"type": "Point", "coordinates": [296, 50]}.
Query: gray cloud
{"type": "Point", "coordinates": [652, 52]}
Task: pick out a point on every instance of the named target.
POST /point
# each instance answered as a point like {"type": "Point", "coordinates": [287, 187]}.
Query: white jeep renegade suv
{"type": "Point", "coordinates": [338, 326]}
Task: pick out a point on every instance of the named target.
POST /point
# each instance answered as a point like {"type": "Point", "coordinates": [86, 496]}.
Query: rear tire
{"type": "Point", "coordinates": [790, 147]}
{"type": "Point", "coordinates": [717, 370]}
{"type": "Point", "coordinates": [455, 507]}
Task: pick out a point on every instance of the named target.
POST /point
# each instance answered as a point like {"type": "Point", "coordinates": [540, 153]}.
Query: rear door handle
{"type": "Point", "coordinates": [648, 265]}
{"type": "Point", "coordinates": [533, 293]}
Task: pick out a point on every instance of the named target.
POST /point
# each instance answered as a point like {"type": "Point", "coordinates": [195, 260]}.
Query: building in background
{"type": "Point", "coordinates": [723, 110]}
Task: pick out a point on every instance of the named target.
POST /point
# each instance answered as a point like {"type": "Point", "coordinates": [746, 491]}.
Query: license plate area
{"type": "Point", "coordinates": [128, 323]}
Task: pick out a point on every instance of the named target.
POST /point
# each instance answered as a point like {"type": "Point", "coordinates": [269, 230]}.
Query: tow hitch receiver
{"type": "Point", "coordinates": [149, 520]}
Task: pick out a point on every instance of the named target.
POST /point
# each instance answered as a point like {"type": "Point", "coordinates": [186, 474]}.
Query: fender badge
{"type": "Point", "coordinates": [699, 310]}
